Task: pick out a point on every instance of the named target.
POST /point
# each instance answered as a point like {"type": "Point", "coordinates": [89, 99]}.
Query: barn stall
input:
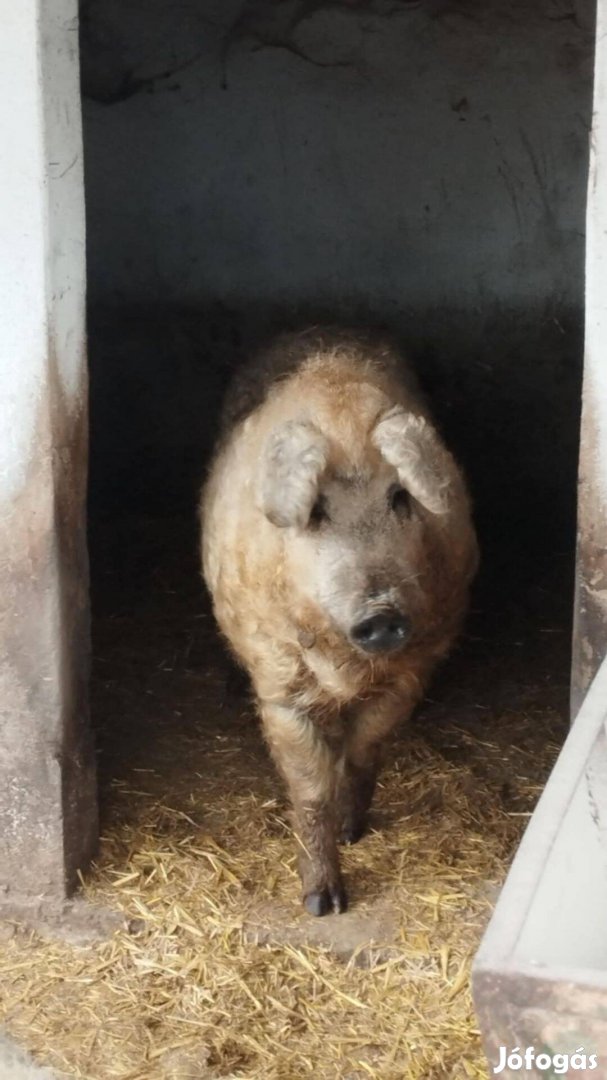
{"type": "Point", "coordinates": [417, 167]}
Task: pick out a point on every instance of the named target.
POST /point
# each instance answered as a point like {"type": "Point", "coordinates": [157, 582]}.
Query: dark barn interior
{"type": "Point", "coordinates": [418, 166]}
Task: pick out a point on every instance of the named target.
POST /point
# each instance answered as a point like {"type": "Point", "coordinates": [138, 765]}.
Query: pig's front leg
{"type": "Point", "coordinates": [354, 798]}
{"type": "Point", "coordinates": [309, 768]}
{"type": "Point", "coordinates": [370, 723]}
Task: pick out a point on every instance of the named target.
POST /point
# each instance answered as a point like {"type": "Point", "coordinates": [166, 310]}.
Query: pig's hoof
{"type": "Point", "coordinates": [352, 832]}
{"type": "Point", "coordinates": [326, 901]}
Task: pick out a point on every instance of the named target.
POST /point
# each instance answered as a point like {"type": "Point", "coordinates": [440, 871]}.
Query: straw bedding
{"type": "Point", "coordinates": [217, 972]}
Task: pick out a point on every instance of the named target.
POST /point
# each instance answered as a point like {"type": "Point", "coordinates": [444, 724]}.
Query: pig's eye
{"type": "Point", "coordinates": [318, 513]}
{"type": "Point", "coordinates": [399, 498]}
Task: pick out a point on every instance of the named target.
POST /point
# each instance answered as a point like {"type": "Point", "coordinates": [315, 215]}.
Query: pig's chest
{"type": "Point", "coordinates": [331, 678]}
{"type": "Point", "coordinates": [327, 683]}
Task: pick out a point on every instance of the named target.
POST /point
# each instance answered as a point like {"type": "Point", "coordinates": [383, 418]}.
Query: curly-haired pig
{"type": "Point", "coordinates": [338, 549]}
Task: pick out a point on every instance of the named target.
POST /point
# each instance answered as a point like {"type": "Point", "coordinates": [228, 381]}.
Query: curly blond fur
{"type": "Point", "coordinates": [322, 413]}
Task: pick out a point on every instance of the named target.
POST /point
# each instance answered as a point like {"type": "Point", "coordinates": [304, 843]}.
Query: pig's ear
{"type": "Point", "coordinates": [294, 458]}
{"type": "Point", "coordinates": [425, 467]}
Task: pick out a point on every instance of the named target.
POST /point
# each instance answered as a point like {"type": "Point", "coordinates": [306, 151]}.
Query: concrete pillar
{"type": "Point", "coordinates": [590, 629]}
{"type": "Point", "coordinates": [48, 822]}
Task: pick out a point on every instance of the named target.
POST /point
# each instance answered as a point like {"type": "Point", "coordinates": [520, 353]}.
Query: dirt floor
{"type": "Point", "coordinates": [218, 972]}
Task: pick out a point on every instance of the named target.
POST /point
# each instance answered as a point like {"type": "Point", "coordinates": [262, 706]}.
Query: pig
{"type": "Point", "coordinates": [338, 548]}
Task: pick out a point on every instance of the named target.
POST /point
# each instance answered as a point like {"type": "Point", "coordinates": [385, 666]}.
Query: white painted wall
{"type": "Point", "coordinates": [595, 363]}
{"type": "Point", "coordinates": [590, 633]}
{"type": "Point", "coordinates": [23, 241]}
{"type": "Point", "coordinates": [47, 786]}
{"type": "Point", "coordinates": [42, 268]}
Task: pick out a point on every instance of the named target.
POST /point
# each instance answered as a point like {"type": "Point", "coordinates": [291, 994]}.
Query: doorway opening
{"type": "Point", "coordinates": [415, 166]}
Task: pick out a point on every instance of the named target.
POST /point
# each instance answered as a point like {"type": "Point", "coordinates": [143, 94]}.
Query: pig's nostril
{"type": "Point", "coordinates": [364, 631]}
{"type": "Point", "coordinates": [384, 632]}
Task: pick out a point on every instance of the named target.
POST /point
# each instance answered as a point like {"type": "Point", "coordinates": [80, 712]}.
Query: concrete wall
{"type": "Point", "coordinates": [422, 164]}
{"type": "Point", "coordinates": [590, 644]}
{"type": "Point", "coordinates": [47, 768]}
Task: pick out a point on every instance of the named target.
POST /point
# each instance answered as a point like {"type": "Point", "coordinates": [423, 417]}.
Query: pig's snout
{"type": "Point", "coordinates": [384, 632]}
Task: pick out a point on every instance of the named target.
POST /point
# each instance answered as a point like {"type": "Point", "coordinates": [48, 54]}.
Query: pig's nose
{"type": "Point", "coordinates": [384, 632]}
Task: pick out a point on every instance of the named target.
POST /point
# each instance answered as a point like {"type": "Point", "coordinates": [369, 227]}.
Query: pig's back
{"type": "Point", "coordinates": [289, 352]}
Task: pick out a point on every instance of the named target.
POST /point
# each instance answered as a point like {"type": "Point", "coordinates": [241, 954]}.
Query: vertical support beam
{"type": "Point", "coordinates": [590, 617]}
{"type": "Point", "coordinates": [48, 819]}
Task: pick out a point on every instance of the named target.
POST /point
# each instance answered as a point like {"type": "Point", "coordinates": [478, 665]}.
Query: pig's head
{"type": "Point", "coordinates": [377, 540]}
